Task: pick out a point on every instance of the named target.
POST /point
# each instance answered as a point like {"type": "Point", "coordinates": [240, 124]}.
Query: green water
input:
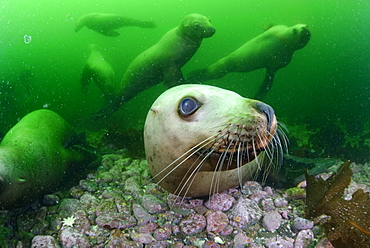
{"type": "Point", "coordinates": [326, 83]}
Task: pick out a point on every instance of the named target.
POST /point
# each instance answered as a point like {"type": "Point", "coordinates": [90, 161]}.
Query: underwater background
{"type": "Point", "coordinates": [322, 95]}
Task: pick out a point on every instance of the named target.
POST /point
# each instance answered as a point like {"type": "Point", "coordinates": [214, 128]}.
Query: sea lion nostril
{"type": "Point", "coordinates": [268, 111]}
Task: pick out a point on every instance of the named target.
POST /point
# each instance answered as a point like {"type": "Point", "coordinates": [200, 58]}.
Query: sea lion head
{"type": "Point", "coordinates": [201, 139]}
{"type": "Point", "coordinates": [197, 26]}
{"type": "Point", "coordinates": [297, 36]}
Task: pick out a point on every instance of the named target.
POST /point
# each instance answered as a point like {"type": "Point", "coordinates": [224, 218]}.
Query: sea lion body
{"type": "Point", "coordinates": [105, 24]}
{"type": "Point", "coordinates": [163, 61]}
{"type": "Point", "coordinates": [225, 127]}
{"type": "Point", "coordinates": [272, 50]}
{"type": "Point", "coordinates": [101, 72]}
{"type": "Point", "coordinates": [35, 157]}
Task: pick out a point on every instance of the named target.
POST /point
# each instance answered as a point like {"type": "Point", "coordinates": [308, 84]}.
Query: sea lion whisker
{"type": "Point", "coordinates": [192, 174]}
{"type": "Point", "coordinates": [239, 161]}
{"type": "Point", "coordinates": [197, 148]}
{"type": "Point", "coordinates": [219, 165]}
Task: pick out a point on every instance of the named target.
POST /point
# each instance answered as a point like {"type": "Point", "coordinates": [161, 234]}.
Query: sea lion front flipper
{"type": "Point", "coordinates": [266, 85]}
{"type": "Point", "coordinates": [86, 78]}
{"type": "Point", "coordinates": [172, 77]}
{"type": "Point", "coordinates": [108, 32]}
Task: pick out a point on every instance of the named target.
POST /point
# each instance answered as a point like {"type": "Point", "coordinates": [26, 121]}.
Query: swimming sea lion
{"type": "Point", "coordinates": [201, 139]}
{"type": "Point", "coordinates": [35, 156]}
{"type": "Point", "coordinates": [99, 70]}
{"type": "Point", "coordinates": [105, 24]}
{"type": "Point", "coordinates": [163, 61]}
{"type": "Point", "coordinates": [272, 50]}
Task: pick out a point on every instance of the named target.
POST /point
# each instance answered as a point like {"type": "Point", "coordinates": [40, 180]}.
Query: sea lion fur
{"type": "Point", "coordinates": [97, 69]}
{"type": "Point", "coordinates": [35, 157]}
{"type": "Point", "coordinates": [105, 23]}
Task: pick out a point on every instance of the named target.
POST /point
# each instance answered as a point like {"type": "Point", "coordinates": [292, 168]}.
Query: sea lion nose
{"type": "Point", "coordinates": [268, 111]}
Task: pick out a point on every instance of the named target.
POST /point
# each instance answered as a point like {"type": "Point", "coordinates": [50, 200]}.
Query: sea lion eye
{"type": "Point", "coordinates": [196, 26]}
{"type": "Point", "coordinates": [188, 106]}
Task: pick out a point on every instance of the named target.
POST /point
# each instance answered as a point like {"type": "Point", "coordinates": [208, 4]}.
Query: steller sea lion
{"type": "Point", "coordinates": [105, 24]}
{"type": "Point", "coordinates": [99, 70]}
{"type": "Point", "coordinates": [272, 50]}
{"type": "Point", "coordinates": [35, 157]}
{"type": "Point", "coordinates": [163, 61]}
{"type": "Point", "coordinates": [201, 139]}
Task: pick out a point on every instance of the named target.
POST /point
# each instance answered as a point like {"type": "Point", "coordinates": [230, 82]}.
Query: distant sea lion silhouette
{"type": "Point", "coordinates": [201, 139]}
{"type": "Point", "coordinates": [163, 61]}
{"type": "Point", "coordinates": [272, 50]}
{"type": "Point", "coordinates": [36, 155]}
{"type": "Point", "coordinates": [105, 24]}
{"type": "Point", "coordinates": [101, 72]}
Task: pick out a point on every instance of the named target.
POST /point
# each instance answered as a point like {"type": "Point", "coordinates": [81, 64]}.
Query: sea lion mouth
{"type": "Point", "coordinates": [305, 36]}
{"type": "Point", "coordinates": [230, 154]}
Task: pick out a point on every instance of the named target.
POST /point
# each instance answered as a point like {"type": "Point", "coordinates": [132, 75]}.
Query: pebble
{"type": "Point", "coordinates": [304, 239]}
{"type": "Point", "coordinates": [71, 237]}
{"type": "Point", "coordinates": [163, 232]}
{"type": "Point", "coordinates": [216, 222]}
{"type": "Point", "coordinates": [50, 200]}
{"type": "Point", "coordinates": [251, 187]}
{"type": "Point", "coordinates": [245, 212]}
{"type": "Point", "coordinates": [267, 204]}
{"type": "Point", "coordinates": [241, 240]}
{"type": "Point", "coordinates": [279, 242]}
{"type": "Point", "coordinates": [301, 224]}
{"type": "Point", "coordinates": [115, 220]}
{"type": "Point", "coordinates": [132, 187]}
{"type": "Point", "coordinates": [142, 216]}
{"type": "Point", "coordinates": [153, 204]}
{"type": "Point", "coordinates": [280, 202]}
{"type": "Point", "coordinates": [144, 238]}
{"type": "Point", "coordinates": [220, 202]}
{"type": "Point", "coordinates": [271, 220]}
{"type": "Point", "coordinates": [194, 223]}
{"type": "Point", "coordinates": [44, 241]}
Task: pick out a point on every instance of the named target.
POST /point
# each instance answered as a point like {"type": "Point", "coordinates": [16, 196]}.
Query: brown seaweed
{"type": "Point", "coordinates": [349, 222]}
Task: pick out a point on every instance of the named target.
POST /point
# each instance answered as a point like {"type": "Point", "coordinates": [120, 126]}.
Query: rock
{"type": "Point", "coordinates": [271, 221]}
{"type": "Point", "coordinates": [44, 241]}
{"type": "Point", "coordinates": [304, 239]}
{"type": "Point", "coordinates": [70, 237]}
{"type": "Point", "coordinates": [245, 212]}
{"type": "Point", "coordinates": [220, 202]}
{"type": "Point", "coordinates": [194, 223]}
